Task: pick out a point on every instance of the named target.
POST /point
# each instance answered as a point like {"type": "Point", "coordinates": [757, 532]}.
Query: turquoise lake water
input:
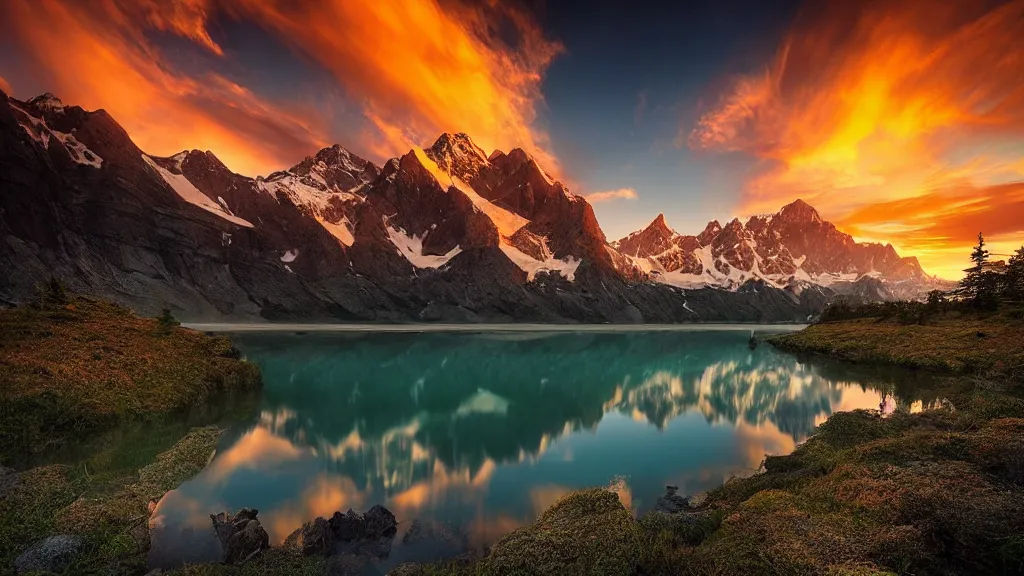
{"type": "Point", "coordinates": [476, 434]}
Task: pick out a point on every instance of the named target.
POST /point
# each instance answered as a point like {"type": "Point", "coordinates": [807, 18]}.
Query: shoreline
{"type": "Point", "coordinates": [228, 328]}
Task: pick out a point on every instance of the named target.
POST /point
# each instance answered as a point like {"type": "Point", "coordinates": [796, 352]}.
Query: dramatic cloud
{"type": "Point", "coordinates": [620, 194]}
{"type": "Point", "coordinates": [900, 120]}
{"type": "Point", "coordinates": [414, 68]}
{"type": "Point", "coordinates": [5, 86]}
{"type": "Point", "coordinates": [186, 18]}
{"type": "Point", "coordinates": [94, 54]}
{"type": "Point", "coordinates": [419, 70]}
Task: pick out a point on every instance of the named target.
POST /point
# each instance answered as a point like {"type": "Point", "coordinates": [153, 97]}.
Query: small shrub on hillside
{"type": "Point", "coordinates": [53, 292]}
{"type": "Point", "coordinates": [166, 322]}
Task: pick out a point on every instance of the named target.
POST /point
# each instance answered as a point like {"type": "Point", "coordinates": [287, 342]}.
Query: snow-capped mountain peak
{"type": "Point", "coordinates": [47, 102]}
{"type": "Point", "coordinates": [791, 247]}
{"type": "Point", "coordinates": [799, 211]}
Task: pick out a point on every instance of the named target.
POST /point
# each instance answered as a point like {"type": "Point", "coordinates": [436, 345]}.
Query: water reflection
{"type": "Point", "coordinates": [483, 432]}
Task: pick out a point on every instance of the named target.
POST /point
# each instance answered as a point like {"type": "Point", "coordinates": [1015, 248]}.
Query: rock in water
{"type": "Point", "coordinates": [241, 536]}
{"type": "Point", "coordinates": [52, 554]}
{"type": "Point", "coordinates": [348, 526]}
{"type": "Point", "coordinates": [316, 537]}
{"type": "Point", "coordinates": [380, 522]}
{"type": "Point", "coordinates": [671, 503]}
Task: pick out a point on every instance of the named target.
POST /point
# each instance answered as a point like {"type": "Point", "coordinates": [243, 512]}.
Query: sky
{"type": "Point", "coordinates": [901, 121]}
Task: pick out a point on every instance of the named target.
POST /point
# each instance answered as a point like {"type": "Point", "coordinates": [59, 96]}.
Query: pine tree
{"type": "Point", "coordinates": [980, 286]}
{"type": "Point", "coordinates": [1014, 280]}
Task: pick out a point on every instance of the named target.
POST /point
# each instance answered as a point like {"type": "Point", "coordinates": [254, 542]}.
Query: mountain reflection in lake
{"type": "Point", "coordinates": [481, 432]}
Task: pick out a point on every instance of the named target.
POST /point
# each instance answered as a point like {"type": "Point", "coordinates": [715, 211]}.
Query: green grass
{"type": "Point", "coordinates": [77, 368]}
{"type": "Point", "coordinates": [950, 343]}
{"type": "Point", "coordinates": [58, 499]}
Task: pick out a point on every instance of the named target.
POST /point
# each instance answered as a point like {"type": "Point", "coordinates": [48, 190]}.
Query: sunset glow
{"type": "Point", "coordinates": [908, 129]}
{"type": "Point", "coordinates": [901, 122]}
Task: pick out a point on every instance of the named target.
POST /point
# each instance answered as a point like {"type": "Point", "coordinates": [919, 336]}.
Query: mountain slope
{"type": "Point", "coordinates": [442, 233]}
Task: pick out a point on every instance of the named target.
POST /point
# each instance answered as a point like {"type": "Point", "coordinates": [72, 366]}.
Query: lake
{"type": "Point", "coordinates": [474, 434]}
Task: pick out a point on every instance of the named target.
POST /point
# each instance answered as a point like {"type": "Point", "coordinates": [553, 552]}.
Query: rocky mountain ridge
{"type": "Point", "coordinates": [794, 247]}
{"type": "Point", "coordinates": [446, 232]}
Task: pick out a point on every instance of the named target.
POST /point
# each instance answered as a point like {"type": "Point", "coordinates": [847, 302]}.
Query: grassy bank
{"type": "Point", "coordinates": [989, 344]}
{"type": "Point", "coordinates": [78, 365]}
{"type": "Point", "coordinates": [111, 517]}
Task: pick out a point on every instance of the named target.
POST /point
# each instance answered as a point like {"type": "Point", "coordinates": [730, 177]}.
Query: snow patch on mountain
{"type": "Point", "coordinates": [39, 131]}
{"type": "Point", "coordinates": [79, 152]}
{"type": "Point", "coordinates": [342, 230]}
{"type": "Point", "coordinates": [565, 267]}
{"type": "Point", "coordinates": [411, 246]}
{"type": "Point", "coordinates": [192, 195]}
{"type": "Point", "coordinates": [508, 223]}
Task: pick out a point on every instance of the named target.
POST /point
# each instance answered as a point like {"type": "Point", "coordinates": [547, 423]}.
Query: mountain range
{"type": "Point", "coordinates": [445, 233]}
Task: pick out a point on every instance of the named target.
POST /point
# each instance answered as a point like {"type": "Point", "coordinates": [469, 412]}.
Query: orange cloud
{"type": "Point", "coordinates": [96, 55]}
{"type": "Point", "coordinates": [883, 114]}
{"type": "Point", "coordinates": [419, 69]}
{"type": "Point", "coordinates": [186, 18]}
{"type": "Point", "coordinates": [620, 194]}
{"type": "Point", "coordinates": [5, 86]}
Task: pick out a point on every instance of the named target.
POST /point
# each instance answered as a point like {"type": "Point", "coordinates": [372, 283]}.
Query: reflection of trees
{"type": "Point", "coordinates": [392, 408]}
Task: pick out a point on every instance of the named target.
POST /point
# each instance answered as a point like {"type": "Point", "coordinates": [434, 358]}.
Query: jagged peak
{"type": "Point", "coordinates": [456, 143]}
{"type": "Point", "coordinates": [800, 210]}
{"type": "Point", "coordinates": [660, 225]}
{"type": "Point", "coordinates": [47, 101]}
{"type": "Point", "coordinates": [518, 155]}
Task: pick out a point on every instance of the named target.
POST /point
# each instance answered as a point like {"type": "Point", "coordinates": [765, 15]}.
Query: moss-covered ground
{"type": "Point", "coordinates": [988, 344]}
{"type": "Point", "coordinates": [81, 365]}
{"type": "Point", "coordinates": [83, 372]}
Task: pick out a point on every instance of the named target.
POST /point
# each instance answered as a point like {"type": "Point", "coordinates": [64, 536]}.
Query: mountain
{"type": "Point", "coordinates": [792, 248]}
{"type": "Point", "coordinates": [444, 233]}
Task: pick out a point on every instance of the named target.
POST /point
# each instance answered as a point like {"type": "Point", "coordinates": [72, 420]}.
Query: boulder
{"type": "Point", "coordinates": [348, 526]}
{"type": "Point", "coordinates": [51, 554]}
{"type": "Point", "coordinates": [241, 536]}
{"type": "Point", "coordinates": [671, 503]}
{"type": "Point", "coordinates": [312, 538]}
{"type": "Point", "coordinates": [380, 522]}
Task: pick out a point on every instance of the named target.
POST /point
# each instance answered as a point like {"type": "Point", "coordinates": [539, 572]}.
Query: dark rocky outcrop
{"type": "Point", "coordinates": [241, 535]}
{"type": "Point", "coordinates": [671, 502]}
{"type": "Point", "coordinates": [314, 537]}
{"type": "Point", "coordinates": [368, 534]}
